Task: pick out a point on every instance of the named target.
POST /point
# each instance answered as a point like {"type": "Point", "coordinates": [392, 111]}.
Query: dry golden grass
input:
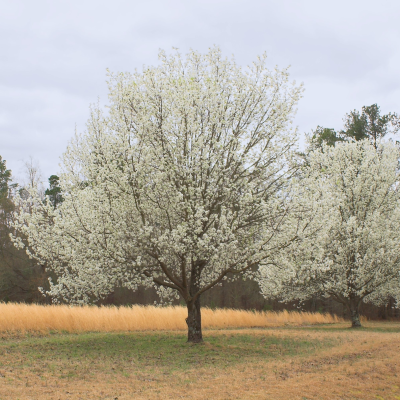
{"type": "Point", "coordinates": [41, 318]}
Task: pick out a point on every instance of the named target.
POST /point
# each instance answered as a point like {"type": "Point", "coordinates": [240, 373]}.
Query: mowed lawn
{"type": "Point", "coordinates": [324, 362]}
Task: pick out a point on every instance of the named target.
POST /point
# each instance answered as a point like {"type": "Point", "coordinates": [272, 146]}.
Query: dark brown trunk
{"type": "Point", "coordinates": [194, 322]}
{"type": "Point", "coordinates": [355, 319]}
{"type": "Point", "coordinates": [354, 312]}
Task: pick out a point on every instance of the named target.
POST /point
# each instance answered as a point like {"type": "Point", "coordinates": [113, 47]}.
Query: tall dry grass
{"type": "Point", "coordinates": [42, 318]}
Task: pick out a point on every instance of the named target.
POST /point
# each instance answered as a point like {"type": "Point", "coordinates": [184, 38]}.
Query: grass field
{"type": "Point", "coordinates": [325, 362]}
{"type": "Point", "coordinates": [328, 361]}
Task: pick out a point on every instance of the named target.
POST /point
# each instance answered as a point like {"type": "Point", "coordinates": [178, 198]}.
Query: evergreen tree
{"type": "Point", "coordinates": [5, 177]}
{"type": "Point", "coordinates": [369, 124]}
{"type": "Point", "coordinates": [54, 191]}
{"type": "Point", "coordinates": [324, 135]}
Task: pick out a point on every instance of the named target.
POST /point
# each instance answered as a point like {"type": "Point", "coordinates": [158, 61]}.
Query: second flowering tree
{"type": "Point", "coordinates": [354, 191]}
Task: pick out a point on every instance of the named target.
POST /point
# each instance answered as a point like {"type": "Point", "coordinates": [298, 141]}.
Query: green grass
{"type": "Point", "coordinates": [66, 355]}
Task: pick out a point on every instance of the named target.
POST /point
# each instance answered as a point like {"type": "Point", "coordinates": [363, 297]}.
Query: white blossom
{"type": "Point", "coordinates": [353, 192]}
{"type": "Point", "coordinates": [183, 183]}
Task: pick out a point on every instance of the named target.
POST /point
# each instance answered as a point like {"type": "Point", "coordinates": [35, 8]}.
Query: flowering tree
{"type": "Point", "coordinates": [356, 255]}
{"type": "Point", "coordinates": [183, 184]}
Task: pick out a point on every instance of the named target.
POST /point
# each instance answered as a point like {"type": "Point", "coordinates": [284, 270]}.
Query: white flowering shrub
{"type": "Point", "coordinates": [182, 184]}
{"type": "Point", "coordinates": [355, 255]}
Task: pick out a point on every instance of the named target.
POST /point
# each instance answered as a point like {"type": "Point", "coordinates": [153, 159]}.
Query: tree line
{"type": "Point", "coordinates": [193, 181]}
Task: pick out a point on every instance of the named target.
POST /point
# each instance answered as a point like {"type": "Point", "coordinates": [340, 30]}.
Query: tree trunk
{"type": "Point", "coordinates": [194, 322]}
{"type": "Point", "coordinates": [354, 313]}
{"type": "Point", "coordinates": [355, 319]}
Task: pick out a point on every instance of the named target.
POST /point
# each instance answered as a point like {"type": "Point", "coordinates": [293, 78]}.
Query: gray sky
{"type": "Point", "coordinates": [54, 55]}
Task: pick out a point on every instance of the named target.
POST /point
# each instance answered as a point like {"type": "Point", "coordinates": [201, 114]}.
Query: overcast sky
{"type": "Point", "coordinates": [54, 55]}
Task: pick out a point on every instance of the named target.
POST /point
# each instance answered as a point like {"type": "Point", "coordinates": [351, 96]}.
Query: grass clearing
{"type": "Point", "coordinates": [324, 362]}
{"type": "Point", "coordinates": [103, 350]}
